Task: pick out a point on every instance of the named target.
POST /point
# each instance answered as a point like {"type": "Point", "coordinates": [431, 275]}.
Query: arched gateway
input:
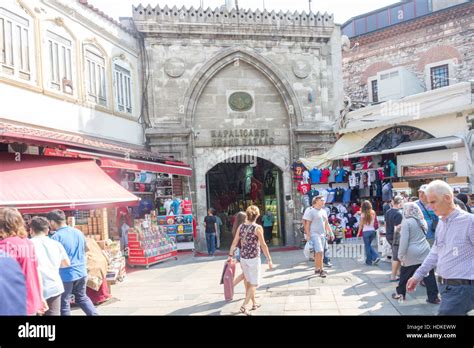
{"type": "Point", "coordinates": [223, 86]}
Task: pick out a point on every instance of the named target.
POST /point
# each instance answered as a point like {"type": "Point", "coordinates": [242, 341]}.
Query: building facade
{"type": "Point", "coordinates": [64, 65]}
{"type": "Point", "coordinates": [408, 72]}
{"type": "Point", "coordinates": [228, 84]}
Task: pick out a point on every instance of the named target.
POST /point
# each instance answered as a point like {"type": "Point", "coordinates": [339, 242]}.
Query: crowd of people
{"type": "Point", "coordinates": [39, 274]}
{"type": "Point", "coordinates": [429, 235]}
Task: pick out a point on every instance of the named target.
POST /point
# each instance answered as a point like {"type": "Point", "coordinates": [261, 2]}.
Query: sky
{"type": "Point", "coordinates": [342, 9]}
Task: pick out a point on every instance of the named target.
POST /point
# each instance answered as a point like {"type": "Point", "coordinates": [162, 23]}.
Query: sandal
{"type": "Point", "coordinates": [245, 311]}
{"type": "Point", "coordinates": [256, 306]}
{"type": "Point", "coordinates": [397, 296]}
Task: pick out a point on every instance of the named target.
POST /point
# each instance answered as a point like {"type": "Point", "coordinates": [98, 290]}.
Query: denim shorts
{"type": "Point", "coordinates": [319, 242]}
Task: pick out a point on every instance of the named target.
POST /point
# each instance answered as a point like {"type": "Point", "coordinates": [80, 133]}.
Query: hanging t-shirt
{"type": "Point", "coordinates": [340, 175]}
{"type": "Point", "coordinates": [387, 192]}
{"type": "Point", "coordinates": [325, 175]}
{"type": "Point", "coordinates": [167, 206]}
{"type": "Point", "coordinates": [386, 169]}
{"type": "Point", "coordinates": [305, 201]}
{"type": "Point", "coordinates": [372, 176]}
{"type": "Point", "coordinates": [381, 176]}
{"type": "Point", "coordinates": [366, 162]}
{"type": "Point", "coordinates": [305, 176]}
{"type": "Point", "coordinates": [298, 169]}
{"type": "Point", "coordinates": [248, 179]}
{"type": "Point", "coordinates": [269, 184]}
{"type": "Point", "coordinates": [175, 205]}
{"type": "Point", "coordinates": [331, 195]}
{"type": "Point", "coordinates": [325, 194]}
{"type": "Point", "coordinates": [315, 175]}
{"type": "Point", "coordinates": [313, 193]}
{"type": "Point", "coordinates": [347, 164]}
{"type": "Point", "coordinates": [332, 176]}
{"type": "Point", "coordinates": [352, 180]}
{"type": "Point", "coordinates": [339, 195]}
{"type": "Point", "coordinates": [187, 206]}
{"type": "Point", "coordinates": [346, 198]}
{"type": "Point", "coordinates": [393, 168]}
{"type": "Point", "coordinates": [304, 188]}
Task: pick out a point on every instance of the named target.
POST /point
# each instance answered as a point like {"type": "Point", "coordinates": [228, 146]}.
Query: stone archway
{"type": "Point", "coordinates": [229, 56]}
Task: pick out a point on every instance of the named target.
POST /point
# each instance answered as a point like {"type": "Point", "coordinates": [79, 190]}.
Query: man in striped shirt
{"type": "Point", "coordinates": [452, 252]}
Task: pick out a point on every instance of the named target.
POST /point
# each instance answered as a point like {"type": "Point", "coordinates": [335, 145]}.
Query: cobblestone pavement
{"type": "Point", "coordinates": [190, 286]}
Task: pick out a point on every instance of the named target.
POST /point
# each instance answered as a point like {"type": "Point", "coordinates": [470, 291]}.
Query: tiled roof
{"type": "Point", "coordinates": [103, 14]}
{"type": "Point", "coordinates": [33, 135]}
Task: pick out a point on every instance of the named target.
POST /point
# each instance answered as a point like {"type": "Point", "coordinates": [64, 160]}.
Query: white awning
{"type": "Point", "coordinates": [449, 142]}
{"type": "Point", "coordinates": [350, 145]}
{"type": "Point", "coordinates": [346, 145]}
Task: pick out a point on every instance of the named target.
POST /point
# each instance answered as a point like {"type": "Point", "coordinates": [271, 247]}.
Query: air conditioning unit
{"type": "Point", "coordinates": [397, 83]}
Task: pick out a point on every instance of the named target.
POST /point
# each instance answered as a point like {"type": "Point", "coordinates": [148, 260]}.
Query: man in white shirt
{"type": "Point", "coordinates": [51, 256]}
{"type": "Point", "coordinates": [316, 227]}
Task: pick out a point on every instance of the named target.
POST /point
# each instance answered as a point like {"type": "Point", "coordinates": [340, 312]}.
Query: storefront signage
{"type": "Point", "coordinates": [241, 137]}
{"type": "Point", "coordinates": [428, 169]}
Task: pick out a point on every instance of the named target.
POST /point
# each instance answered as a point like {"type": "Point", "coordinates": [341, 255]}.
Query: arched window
{"type": "Point", "coordinates": [122, 86]}
{"type": "Point", "coordinates": [16, 42]}
{"type": "Point", "coordinates": [392, 137]}
{"type": "Point", "coordinates": [95, 74]}
{"type": "Point", "coordinates": [59, 59]}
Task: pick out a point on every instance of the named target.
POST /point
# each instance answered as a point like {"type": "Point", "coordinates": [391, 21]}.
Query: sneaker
{"type": "Point", "coordinates": [377, 260]}
{"type": "Point", "coordinates": [437, 300]}
{"type": "Point", "coordinates": [328, 265]}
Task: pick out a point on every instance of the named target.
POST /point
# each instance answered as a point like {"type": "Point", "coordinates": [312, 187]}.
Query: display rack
{"type": "Point", "coordinates": [179, 227]}
{"type": "Point", "coordinates": [149, 243]}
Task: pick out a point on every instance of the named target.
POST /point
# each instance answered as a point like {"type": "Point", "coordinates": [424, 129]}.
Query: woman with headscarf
{"type": "Point", "coordinates": [413, 250]}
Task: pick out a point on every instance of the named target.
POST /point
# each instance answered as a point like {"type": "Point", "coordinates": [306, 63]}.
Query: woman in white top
{"type": "Point", "coordinates": [51, 257]}
{"type": "Point", "coordinates": [367, 230]}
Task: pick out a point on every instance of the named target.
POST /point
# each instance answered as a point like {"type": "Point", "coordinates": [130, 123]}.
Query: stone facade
{"type": "Point", "coordinates": [288, 66]}
{"type": "Point", "coordinates": [444, 36]}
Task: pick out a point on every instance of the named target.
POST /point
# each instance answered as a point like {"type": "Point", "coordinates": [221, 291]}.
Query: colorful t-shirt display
{"type": "Point", "coordinates": [315, 175]}
{"type": "Point", "coordinates": [298, 170]}
{"type": "Point", "coordinates": [304, 188]}
{"type": "Point", "coordinates": [325, 175]}
{"type": "Point", "coordinates": [340, 175]}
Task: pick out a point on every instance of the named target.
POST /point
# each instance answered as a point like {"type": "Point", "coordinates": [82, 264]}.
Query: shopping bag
{"type": "Point", "coordinates": [228, 280]}
{"type": "Point", "coordinates": [308, 250]}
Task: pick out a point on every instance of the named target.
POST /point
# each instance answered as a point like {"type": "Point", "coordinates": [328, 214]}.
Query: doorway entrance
{"type": "Point", "coordinates": [233, 186]}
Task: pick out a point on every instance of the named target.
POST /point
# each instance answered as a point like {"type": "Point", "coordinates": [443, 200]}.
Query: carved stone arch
{"type": "Point", "coordinates": [260, 63]}
{"type": "Point", "coordinates": [96, 44]}
{"type": "Point", "coordinates": [60, 23]}
{"type": "Point", "coordinates": [122, 57]}
{"type": "Point", "coordinates": [27, 9]}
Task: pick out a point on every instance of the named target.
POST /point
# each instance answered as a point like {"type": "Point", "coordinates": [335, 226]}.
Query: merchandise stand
{"type": "Point", "coordinates": [149, 243]}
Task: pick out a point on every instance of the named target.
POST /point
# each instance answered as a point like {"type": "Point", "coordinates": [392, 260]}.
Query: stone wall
{"type": "Point", "coordinates": [441, 36]}
{"type": "Point", "coordinates": [288, 63]}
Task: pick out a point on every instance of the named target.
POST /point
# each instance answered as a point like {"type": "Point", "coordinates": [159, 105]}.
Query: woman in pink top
{"type": "Point", "coordinates": [14, 242]}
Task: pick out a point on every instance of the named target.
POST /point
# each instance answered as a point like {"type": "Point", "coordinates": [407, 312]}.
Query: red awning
{"type": "Point", "coordinates": [37, 184]}
{"type": "Point", "coordinates": [107, 162]}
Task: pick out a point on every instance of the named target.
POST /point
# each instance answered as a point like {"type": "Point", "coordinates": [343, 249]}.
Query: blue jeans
{"type": "Point", "coordinates": [456, 299]}
{"type": "Point", "coordinates": [211, 243]}
{"type": "Point", "coordinates": [370, 253]}
{"type": "Point", "coordinates": [78, 288]}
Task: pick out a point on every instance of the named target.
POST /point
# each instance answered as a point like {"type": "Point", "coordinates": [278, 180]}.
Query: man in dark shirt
{"type": "Point", "coordinates": [210, 222]}
{"type": "Point", "coordinates": [393, 218]}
